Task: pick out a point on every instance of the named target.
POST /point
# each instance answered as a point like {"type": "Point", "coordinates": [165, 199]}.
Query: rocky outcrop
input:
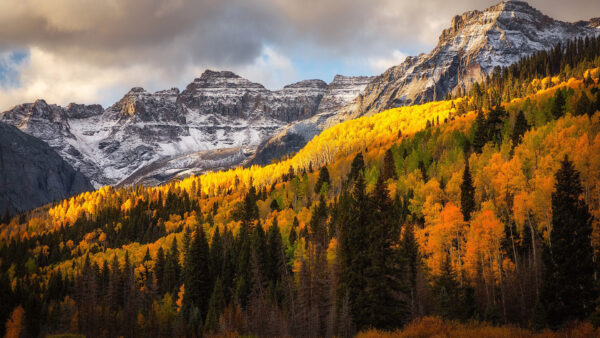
{"type": "Point", "coordinates": [218, 110]}
{"type": "Point", "coordinates": [340, 92]}
{"type": "Point", "coordinates": [467, 51]}
{"type": "Point", "coordinates": [33, 174]}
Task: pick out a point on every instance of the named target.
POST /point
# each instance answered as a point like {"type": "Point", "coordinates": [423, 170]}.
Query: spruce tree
{"type": "Point", "coordinates": [557, 107]}
{"type": "Point", "coordinates": [215, 307]}
{"type": "Point", "coordinates": [276, 263]}
{"type": "Point", "coordinates": [480, 132]}
{"type": "Point", "coordinates": [389, 167]}
{"type": "Point", "coordinates": [356, 168]}
{"type": "Point", "coordinates": [519, 129]}
{"type": "Point", "coordinates": [197, 275]}
{"type": "Point", "coordinates": [322, 180]}
{"type": "Point", "coordinates": [467, 193]}
{"type": "Point", "coordinates": [216, 254]}
{"type": "Point", "coordinates": [568, 292]}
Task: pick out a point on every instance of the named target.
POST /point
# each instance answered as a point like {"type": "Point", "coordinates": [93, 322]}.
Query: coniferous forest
{"type": "Point", "coordinates": [479, 214]}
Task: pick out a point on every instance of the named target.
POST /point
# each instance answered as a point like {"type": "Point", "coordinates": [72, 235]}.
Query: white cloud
{"type": "Point", "coordinates": [60, 80]}
{"type": "Point", "coordinates": [272, 69]}
{"type": "Point", "coordinates": [380, 64]}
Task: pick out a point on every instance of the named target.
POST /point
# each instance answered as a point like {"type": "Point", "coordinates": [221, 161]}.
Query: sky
{"type": "Point", "coordinates": [94, 51]}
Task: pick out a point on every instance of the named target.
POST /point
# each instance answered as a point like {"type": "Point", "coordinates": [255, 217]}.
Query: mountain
{"type": "Point", "coordinates": [341, 92]}
{"type": "Point", "coordinates": [218, 110]}
{"type": "Point", "coordinates": [33, 174]}
{"type": "Point", "coordinates": [467, 51]}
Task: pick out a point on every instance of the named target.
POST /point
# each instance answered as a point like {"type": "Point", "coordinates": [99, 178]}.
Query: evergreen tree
{"type": "Point", "coordinates": [172, 270]}
{"type": "Point", "coordinates": [159, 268]}
{"type": "Point", "coordinates": [519, 129]}
{"type": "Point", "coordinates": [322, 180]}
{"type": "Point", "coordinates": [480, 132]}
{"type": "Point", "coordinates": [197, 279]}
{"type": "Point", "coordinates": [583, 105]}
{"type": "Point", "coordinates": [389, 167]}
{"type": "Point", "coordinates": [568, 291]}
{"type": "Point", "coordinates": [357, 166]}
{"type": "Point", "coordinates": [276, 263]}
{"type": "Point", "coordinates": [215, 307]}
{"type": "Point", "coordinates": [353, 252]}
{"type": "Point", "coordinates": [557, 106]}
{"type": "Point", "coordinates": [467, 193]}
{"type": "Point", "coordinates": [217, 253]}
{"type": "Point", "coordinates": [386, 309]}
{"type": "Point", "coordinates": [274, 205]}
{"type": "Point", "coordinates": [293, 234]}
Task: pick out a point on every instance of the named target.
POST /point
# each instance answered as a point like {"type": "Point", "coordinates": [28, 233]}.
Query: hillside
{"type": "Point", "coordinates": [32, 174]}
{"type": "Point", "coordinates": [375, 222]}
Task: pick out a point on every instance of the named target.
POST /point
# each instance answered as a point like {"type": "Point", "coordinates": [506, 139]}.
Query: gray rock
{"type": "Point", "coordinates": [33, 174]}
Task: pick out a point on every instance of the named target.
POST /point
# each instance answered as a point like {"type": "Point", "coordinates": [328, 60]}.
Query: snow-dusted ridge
{"type": "Point", "coordinates": [170, 133]}
{"type": "Point", "coordinates": [467, 51]}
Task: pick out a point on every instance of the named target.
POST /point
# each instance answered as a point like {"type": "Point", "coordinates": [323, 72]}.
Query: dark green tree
{"type": "Point", "coordinates": [389, 167]}
{"type": "Point", "coordinates": [467, 193]}
{"type": "Point", "coordinates": [357, 166]}
{"type": "Point", "coordinates": [480, 132]}
{"type": "Point", "coordinates": [322, 180]}
{"type": "Point", "coordinates": [196, 272]}
{"type": "Point", "coordinates": [557, 106]}
{"type": "Point", "coordinates": [568, 290]}
{"type": "Point", "coordinates": [519, 129]}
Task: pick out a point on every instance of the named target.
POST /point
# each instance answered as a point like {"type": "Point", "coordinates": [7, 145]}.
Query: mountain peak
{"type": "Point", "coordinates": [211, 74]}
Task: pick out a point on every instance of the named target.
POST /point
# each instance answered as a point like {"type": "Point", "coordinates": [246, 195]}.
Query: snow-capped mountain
{"type": "Point", "coordinates": [217, 120]}
{"type": "Point", "coordinates": [222, 120]}
{"type": "Point", "coordinates": [467, 51]}
{"type": "Point", "coordinates": [341, 92]}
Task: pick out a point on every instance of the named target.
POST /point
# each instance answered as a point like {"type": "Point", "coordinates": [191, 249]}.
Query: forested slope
{"type": "Point", "coordinates": [474, 202]}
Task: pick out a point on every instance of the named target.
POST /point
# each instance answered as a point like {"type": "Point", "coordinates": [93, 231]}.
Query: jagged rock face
{"type": "Point", "coordinates": [475, 43]}
{"type": "Point", "coordinates": [340, 92]}
{"type": "Point", "coordinates": [218, 110]}
{"type": "Point", "coordinates": [33, 174]}
{"type": "Point", "coordinates": [228, 94]}
{"type": "Point", "coordinates": [142, 106]}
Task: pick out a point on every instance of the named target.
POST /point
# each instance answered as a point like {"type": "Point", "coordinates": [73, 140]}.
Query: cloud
{"type": "Point", "coordinates": [94, 50]}
{"type": "Point", "coordinates": [380, 64]}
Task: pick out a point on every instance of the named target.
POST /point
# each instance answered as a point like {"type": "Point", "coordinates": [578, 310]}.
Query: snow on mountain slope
{"type": "Point", "coordinates": [218, 110]}
{"type": "Point", "coordinates": [475, 43]}
{"type": "Point", "coordinates": [467, 51]}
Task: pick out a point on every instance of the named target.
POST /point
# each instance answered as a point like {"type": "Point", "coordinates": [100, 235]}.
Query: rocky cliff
{"type": "Point", "coordinates": [33, 174]}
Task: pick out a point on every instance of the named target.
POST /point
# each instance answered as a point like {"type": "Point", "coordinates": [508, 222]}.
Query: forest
{"type": "Point", "coordinates": [478, 215]}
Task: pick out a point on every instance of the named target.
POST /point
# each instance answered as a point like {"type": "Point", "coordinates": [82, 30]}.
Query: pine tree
{"type": "Point", "coordinates": [197, 279]}
{"type": "Point", "coordinates": [216, 254]}
{"type": "Point", "coordinates": [583, 105]}
{"type": "Point", "coordinates": [172, 272]}
{"type": "Point", "coordinates": [276, 263]}
{"type": "Point", "coordinates": [480, 133]}
{"type": "Point", "coordinates": [557, 107]}
{"type": "Point", "coordinates": [568, 291]}
{"type": "Point", "coordinates": [293, 232]}
{"type": "Point", "coordinates": [386, 309]}
{"type": "Point", "coordinates": [159, 268]}
{"type": "Point", "coordinates": [389, 167]}
{"type": "Point", "coordinates": [358, 164]}
{"type": "Point", "coordinates": [323, 179]}
{"type": "Point", "coordinates": [519, 129]}
{"type": "Point", "coordinates": [467, 193]}
{"type": "Point", "coordinates": [353, 251]}
{"type": "Point", "coordinates": [215, 307]}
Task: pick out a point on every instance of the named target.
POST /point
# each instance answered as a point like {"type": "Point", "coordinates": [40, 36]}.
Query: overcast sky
{"type": "Point", "coordinates": [93, 51]}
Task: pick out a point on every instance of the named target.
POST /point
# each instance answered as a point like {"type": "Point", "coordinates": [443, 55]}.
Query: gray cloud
{"type": "Point", "coordinates": [172, 38]}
